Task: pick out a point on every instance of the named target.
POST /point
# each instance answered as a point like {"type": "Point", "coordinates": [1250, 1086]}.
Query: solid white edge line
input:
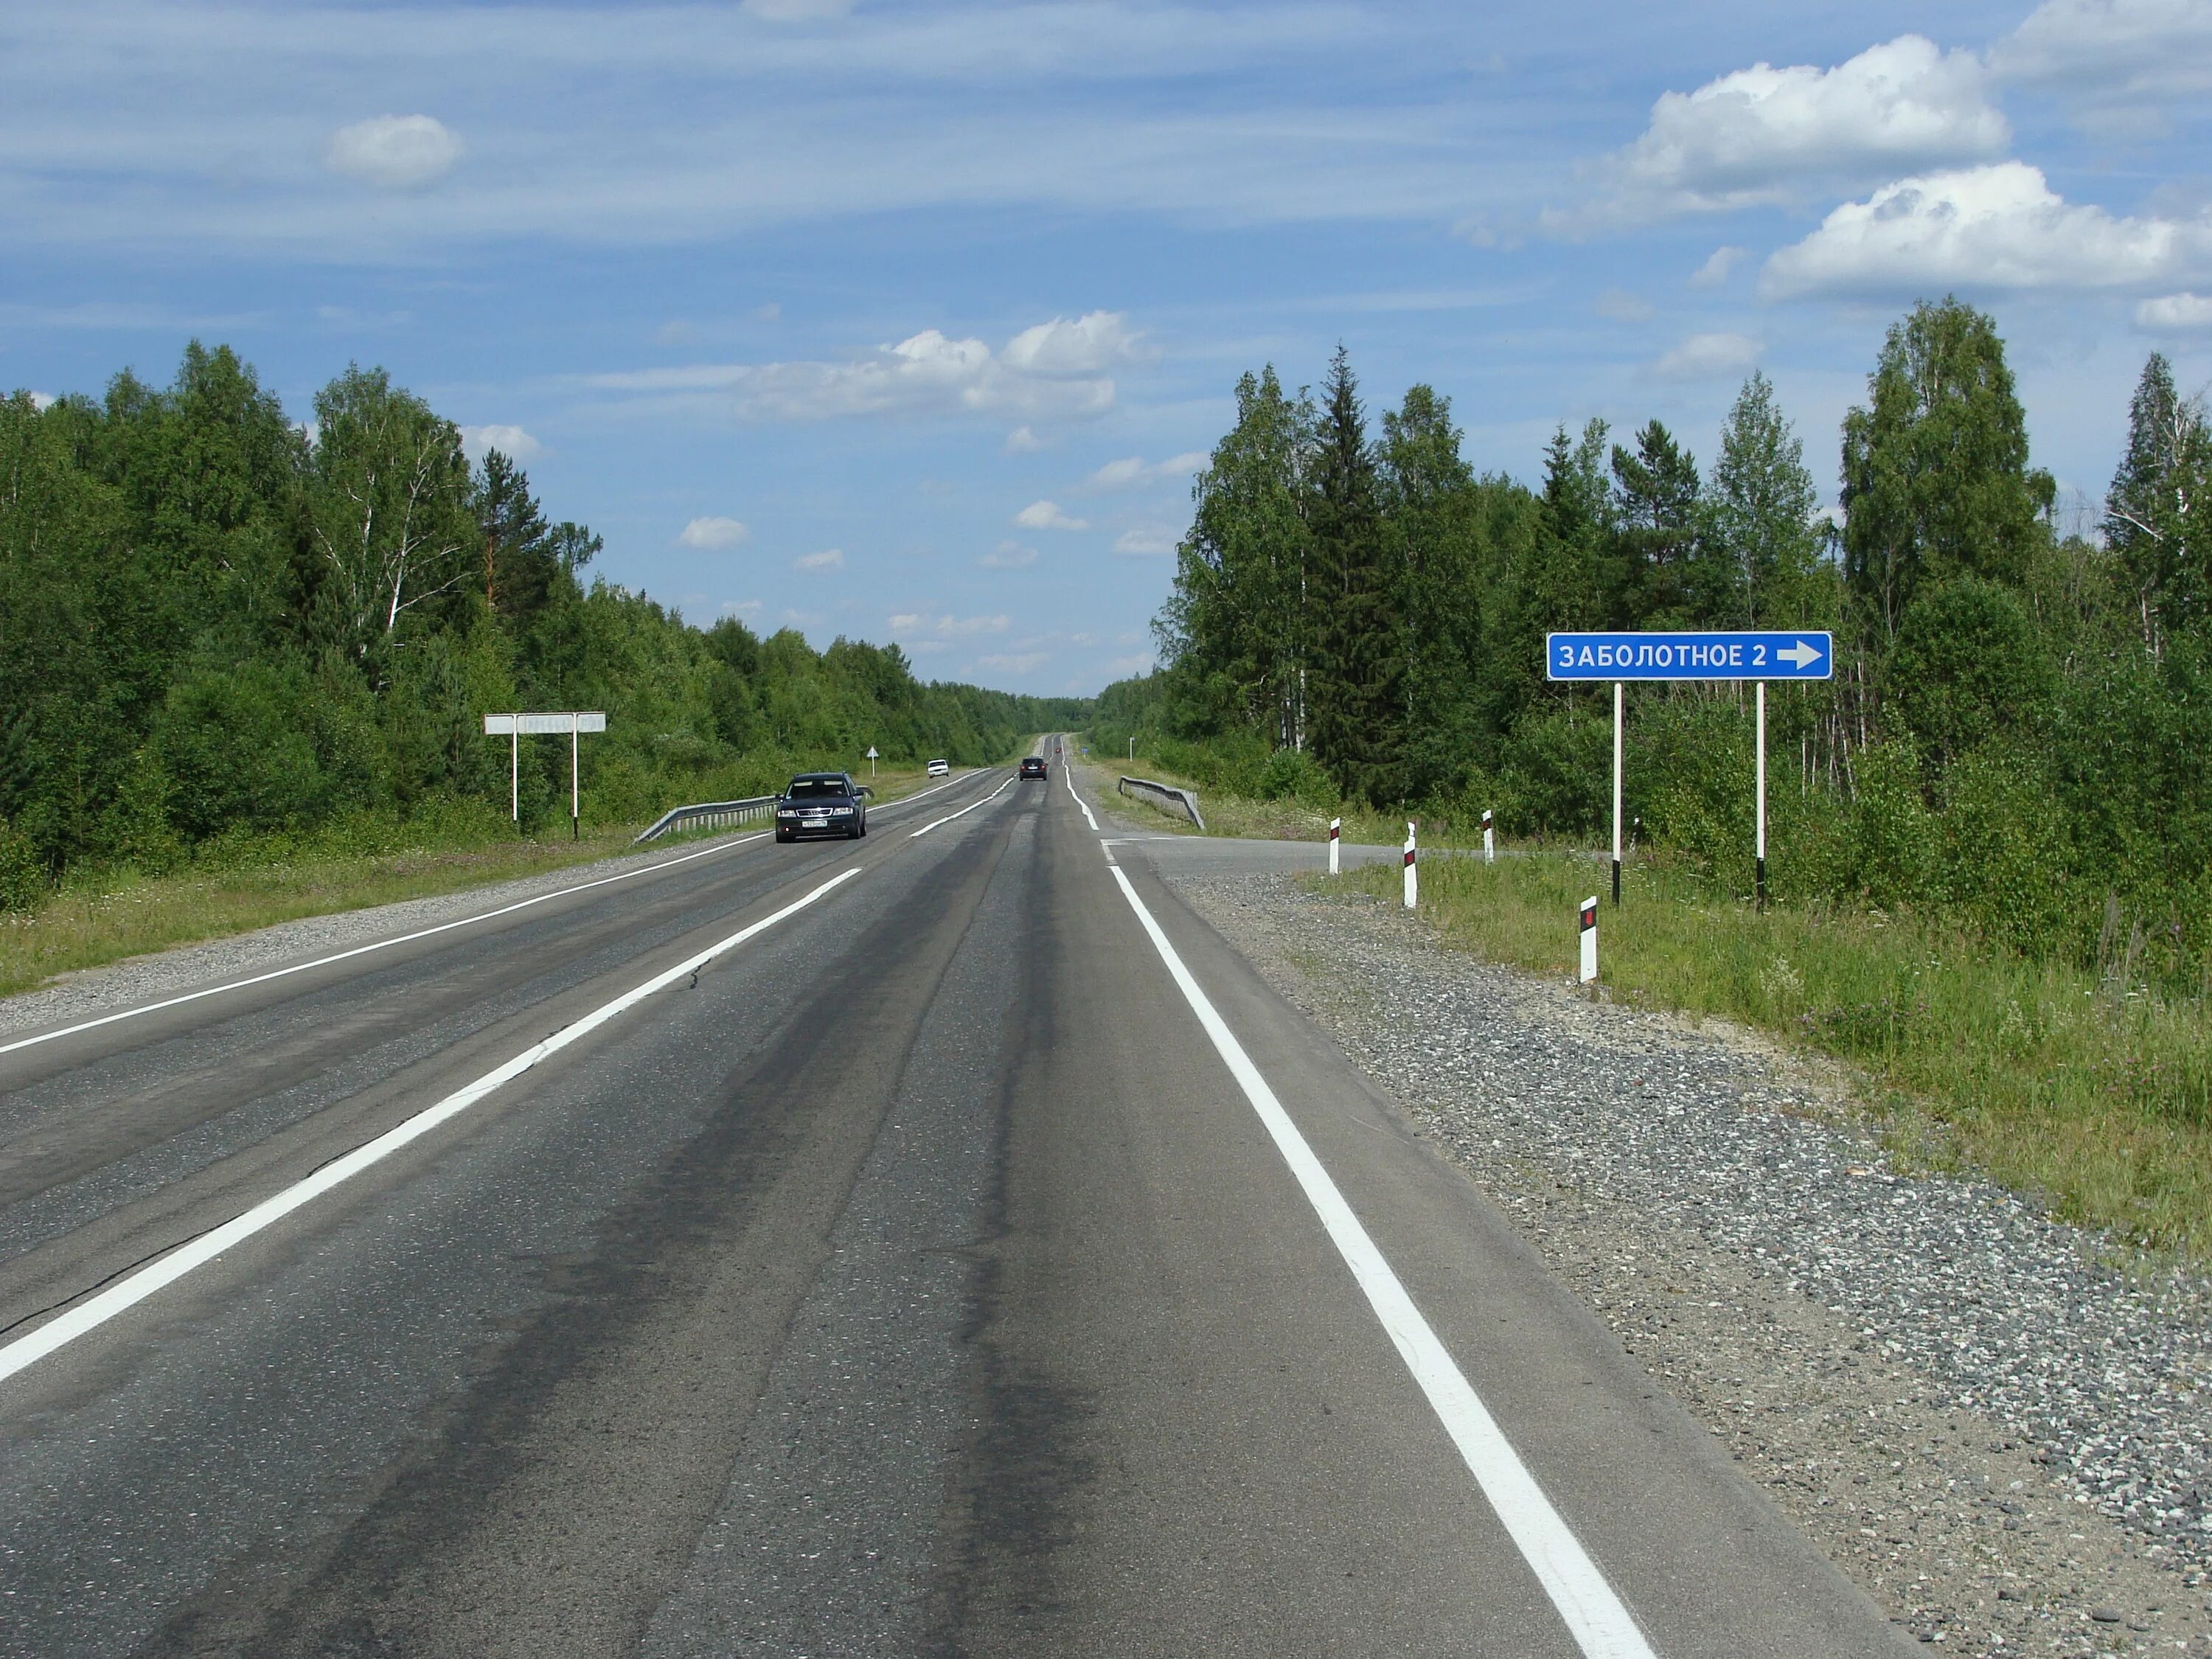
{"type": "Point", "coordinates": [1596, 1618]}
{"type": "Point", "coordinates": [89, 1315]}
{"type": "Point", "coordinates": [964, 811]}
{"type": "Point", "coordinates": [377, 944]}
{"type": "Point", "coordinates": [423, 932]}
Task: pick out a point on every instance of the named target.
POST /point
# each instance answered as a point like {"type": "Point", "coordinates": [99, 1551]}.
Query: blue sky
{"type": "Point", "coordinates": [907, 321]}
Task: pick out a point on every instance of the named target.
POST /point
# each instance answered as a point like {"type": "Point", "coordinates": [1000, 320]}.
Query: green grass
{"type": "Point", "coordinates": [105, 916]}
{"type": "Point", "coordinates": [2095, 1096]}
{"type": "Point", "coordinates": [1233, 815]}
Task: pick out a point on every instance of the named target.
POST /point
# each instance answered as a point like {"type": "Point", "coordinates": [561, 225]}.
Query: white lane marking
{"type": "Point", "coordinates": [27, 1351]}
{"type": "Point", "coordinates": [964, 811]}
{"type": "Point", "coordinates": [1068, 772]}
{"type": "Point", "coordinates": [409, 939]}
{"type": "Point", "coordinates": [1601, 1626]}
{"type": "Point", "coordinates": [364, 950]}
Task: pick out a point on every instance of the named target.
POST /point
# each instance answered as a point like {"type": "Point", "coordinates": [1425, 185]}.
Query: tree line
{"type": "Point", "coordinates": [2017, 729]}
{"type": "Point", "coordinates": [217, 624]}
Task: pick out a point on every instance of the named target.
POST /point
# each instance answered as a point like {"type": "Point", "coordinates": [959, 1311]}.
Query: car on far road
{"type": "Point", "coordinates": [938, 768]}
{"type": "Point", "coordinates": [1033, 765]}
{"type": "Point", "coordinates": [822, 804]}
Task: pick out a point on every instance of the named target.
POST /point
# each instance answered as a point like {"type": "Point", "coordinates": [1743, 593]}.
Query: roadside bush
{"type": "Point", "coordinates": [22, 878]}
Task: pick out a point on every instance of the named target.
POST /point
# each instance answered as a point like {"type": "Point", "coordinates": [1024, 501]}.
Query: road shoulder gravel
{"type": "Point", "coordinates": [1995, 1423]}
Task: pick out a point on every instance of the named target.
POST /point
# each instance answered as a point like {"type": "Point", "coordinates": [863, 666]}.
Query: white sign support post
{"type": "Point", "coordinates": [1489, 839]}
{"type": "Point", "coordinates": [1620, 702]}
{"type": "Point", "coordinates": [872, 763]}
{"type": "Point", "coordinates": [1412, 876]}
{"type": "Point", "coordinates": [513, 727]}
{"type": "Point", "coordinates": [1759, 878]}
{"type": "Point", "coordinates": [1336, 831]}
{"type": "Point", "coordinates": [1586, 970]}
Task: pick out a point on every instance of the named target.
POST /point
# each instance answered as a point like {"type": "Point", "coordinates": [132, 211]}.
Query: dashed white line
{"type": "Point", "coordinates": [89, 1315]}
{"type": "Point", "coordinates": [1595, 1615]}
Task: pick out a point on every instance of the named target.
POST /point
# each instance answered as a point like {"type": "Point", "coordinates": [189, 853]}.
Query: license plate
{"type": "Point", "coordinates": [814, 823]}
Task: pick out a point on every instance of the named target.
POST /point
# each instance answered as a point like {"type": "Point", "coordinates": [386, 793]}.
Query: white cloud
{"type": "Point", "coordinates": [921, 625]}
{"type": "Point", "coordinates": [41, 401]}
{"type": "Point", "coordinates": [1009, 556]}
{"type": "Point", "coordinates": [1046, 516]}
{"type": "Point", "coordinates": [1131, 470]}
{"type": "Point", "coordinates": [2175, 313]}
{"type": "Point", "coordinates": [1053, 372]}
{"type": "Point", "coordinates": [1147, 541]}
{"type": "Point", "coordinates": [1707, 357]}
{"type": "Point", "coordinates": [712, 534]}
{"type": "Point", "coordinates": [2112, 53]}
{"type": "Point", "coordinates": [394, 152]}
{"type": "Point", "coordinates": [829, 558]}
{"type": "Point", "coordinates": [1999, 226]}
{"type": "Point", "coordinates": [511, 441]}
{"type": "Point", "coordinates": [742, 607]}
{"type": "Point", "coordinates": [1023, 441]}
{"type": "Point", "coordinates": [1019, 662]}
{"type": "Point", "coordinates": [1714, 270]}
{"type": "Point", "coordinates": [1623, 307]}
{"type": "Point", "coordinates": [1762, 134]}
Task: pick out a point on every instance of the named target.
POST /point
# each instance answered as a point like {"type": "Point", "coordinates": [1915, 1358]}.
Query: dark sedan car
{"type": "Point", "coordinates": [1033, 767]}
{"type": "Point", "coordinates": [822, 804]}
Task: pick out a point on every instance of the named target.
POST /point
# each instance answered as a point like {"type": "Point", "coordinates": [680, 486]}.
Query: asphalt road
{"type": "Point", "coordinates": [971, 1256]}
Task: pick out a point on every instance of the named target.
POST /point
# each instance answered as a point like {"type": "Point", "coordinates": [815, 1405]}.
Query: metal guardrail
{"type": "Point", "coordinates": [706, 815]}
{"type": "Point", "coordinates": [1161, 794]}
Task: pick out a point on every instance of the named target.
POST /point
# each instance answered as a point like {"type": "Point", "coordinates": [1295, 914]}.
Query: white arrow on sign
{"type": "Point", "coordinates": [871, 751]}
{"type": "Point", "coordinates": [1802, 654]}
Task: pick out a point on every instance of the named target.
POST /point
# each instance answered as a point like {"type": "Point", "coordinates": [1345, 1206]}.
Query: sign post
{"type": "Point", "coordinates": [1489, 839]}
{"type": "Point", "coordinates": [1336, 831]}
{"type": "Point", "coordinates": [1586, 922]}
{"type": "Point", "coordinates": [872, 763]}
{"type": "Point", "coordinates": [514, 727]}
{"type": "Point", "coordinates": [1413, 875]}
{"type": "Point", "coordinates": [1756, 656]}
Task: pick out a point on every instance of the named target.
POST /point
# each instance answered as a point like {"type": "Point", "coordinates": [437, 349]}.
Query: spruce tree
{"type": "Point", "coordinates": [2154, 512]}
{"type": "Point", "coordinates": [1656, 509]}
{"type": "Point", "coordinates": [1759, 516]}
{"type": "Point", "coordinates": [1355, 696]}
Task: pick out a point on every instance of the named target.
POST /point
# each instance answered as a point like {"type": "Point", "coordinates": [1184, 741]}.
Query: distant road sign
{"type": "Point", "coordinates": [1760, 656]}
{"type": "Point", "coordinates": [507, 726]}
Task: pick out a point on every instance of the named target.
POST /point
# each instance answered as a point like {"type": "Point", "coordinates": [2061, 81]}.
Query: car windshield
{"type": "Point", "coordinates": [815, 788]}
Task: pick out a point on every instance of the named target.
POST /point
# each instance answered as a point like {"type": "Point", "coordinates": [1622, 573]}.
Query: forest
{"type": "Point", "coordinates": [2016, 735]}
{"type": "Point", "coordinates": [219, 623]}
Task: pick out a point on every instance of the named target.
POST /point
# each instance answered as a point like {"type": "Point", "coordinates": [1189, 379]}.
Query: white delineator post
{"type": "Point", "coordinates": [514, 768]}
{"type": "Point", "coordinates": [1620, 700]}
{"type": "Point", "coordinates": [1586, 970]}
{"type": "Point", "coordinates": [1335, 837]}
{"type": "Point", "coordinates": [1489, 839]}
{"type": "Point", "coordinates": [1758, 879]}
{"type": "Point", "coordinates": [1412, 876]}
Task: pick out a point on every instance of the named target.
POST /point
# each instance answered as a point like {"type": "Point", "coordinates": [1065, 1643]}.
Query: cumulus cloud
{"type": "Point", "coordinates": [1055, 371]}
{"type": "Point", "coordinates": [394, 152]}
{"type": "Point", "coordinates": [1146, 541]}
{"type": "Point", "coordinates": [1048, 515]}
{"type": "Point", "coordinates": [829, 558]}
{"type": "Point", "coordinates": [1707, 357]}
{"type": "Point", "coordinates": [41, 401]}
{"type": "Point", "coordinates": [712, 535]}
{"type": "Point", "coordinates": [1132, 470]}
{"type": "Point", "coordinates": [2175, 313]}
{"type": "Point", "coordinates": [1015, 662]}
{"type": "Point", "coordinates": [2000, 227]}
{"type": "Point", "coordinates": [1009, 556]}
{"type": "Point", "coordinates": [921, 625]}
{"type": "Point", "coordinates": [1762, 135]}
{"type": "Point", "coordinates": [511, 441]}
{"type": "Point", "coordinates": [1023, 441]}
{"type": "Point", "coordinates": [1715, 270]}
{"type": "Point", "coordinates": [2113, 56]}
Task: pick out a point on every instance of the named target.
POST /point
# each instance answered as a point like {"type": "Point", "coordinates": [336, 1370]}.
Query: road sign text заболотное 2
{"type": "Point", "coordinates": [1766, 655]}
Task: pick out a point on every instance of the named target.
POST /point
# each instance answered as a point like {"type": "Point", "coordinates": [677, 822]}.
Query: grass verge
{"type": "Point", "coordinates": [107, 915]}
{"type": "Point", "coordinates": [2095, 1096]}
{"type": "Point", "coordinates": [1228, 814]}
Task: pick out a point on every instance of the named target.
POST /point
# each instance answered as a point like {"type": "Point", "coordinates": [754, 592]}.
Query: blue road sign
{"type": "Point", "coordinates": [1763, 656]}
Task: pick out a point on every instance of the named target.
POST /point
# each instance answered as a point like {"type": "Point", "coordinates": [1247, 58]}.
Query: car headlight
{"type": "Point", "coordinates": [841, 811]}
{"type": "Point", "coordinates": [787, 812]}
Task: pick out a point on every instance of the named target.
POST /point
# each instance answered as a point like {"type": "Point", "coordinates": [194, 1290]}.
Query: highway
{"type": "Point", "coordinates": [938, 1243]}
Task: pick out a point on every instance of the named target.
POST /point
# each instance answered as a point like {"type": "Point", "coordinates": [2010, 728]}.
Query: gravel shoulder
{"type": "Point", "coordinates": [1996, 1423]}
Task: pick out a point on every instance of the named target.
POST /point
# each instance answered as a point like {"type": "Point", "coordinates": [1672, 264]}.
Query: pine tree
{"type": "Point", "coordinates": [1657, 519]}
{"type": "Point", "coordinates": [2154, 512]}
{"type": "Point", "coordinates": [1355, 695]}
{"type": "Point", "coordinates": [1430, 510]}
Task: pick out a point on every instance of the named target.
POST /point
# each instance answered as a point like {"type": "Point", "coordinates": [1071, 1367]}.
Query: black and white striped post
{"type": "Point", "coordinates": [1586, 970]}
{"type": "Point", "coordinates": [1336, 840]}
{"type": "Point", "coordinates": [1489, 839]}
{"type": "Point", "coordinates": [1619, 704]}
{"type": "Point", "coordinates": [1412, 877]}
{"type": "Point", "coordinates": [1758, 878]}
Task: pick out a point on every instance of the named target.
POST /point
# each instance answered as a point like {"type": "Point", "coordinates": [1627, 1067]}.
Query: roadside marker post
{"type": "Point", "coordinates": [1757, 656]}
{"type": "Point", "coordinates": [872, 763]}
{"type": "Point", "coordinates": [1335, 836]}
{"type": "Point", "coordinates": [1412, 876]}
{"type": "Point", "coordinates": [1586, 970]}
{"type": "Point", "coordinates": [1489, 839]}
{"type": "Point", "coordinates": [515, 727]}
